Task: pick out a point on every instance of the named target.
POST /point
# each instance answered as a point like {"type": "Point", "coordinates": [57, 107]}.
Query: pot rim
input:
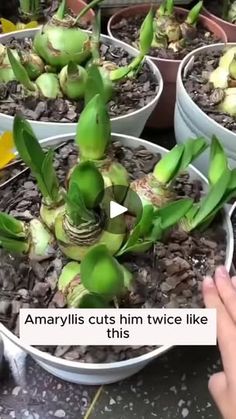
{"type": "Point", "coordinates": [149, 355]}
{"type": "Point", "coordinates": [215, 125]}
{"type": "Point", "coordinates": [219, 19]}
{"type": "Point", "coordinates": [156, 72]}
{"type": "Point", "coordinates": [202, 18]}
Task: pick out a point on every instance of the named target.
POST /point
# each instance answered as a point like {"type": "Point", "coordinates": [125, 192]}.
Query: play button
{"type": "Point", "coordinates": [121, 206]}
{"type": "Point", "coordinates": [116, 209]}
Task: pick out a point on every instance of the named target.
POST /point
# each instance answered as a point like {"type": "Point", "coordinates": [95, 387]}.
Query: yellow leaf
{"type": "Point", "coordinates": [7, 26]}
{"type": "Point", "coordinates": [6, 148]}
{"type": "Point", "coordinates": [32, 25]}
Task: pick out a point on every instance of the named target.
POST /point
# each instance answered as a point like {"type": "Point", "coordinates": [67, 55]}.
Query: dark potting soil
{"type": "Point", "coordinates": [127, 30]}
{"type": "Point", "coordinates": [49, 8]}
{"type": "Point", "coordinates": [129, 96]}
{"type": "Point", "coordinates": [169, 275]}
{"type": "Point", "coordinates": [203, 92]}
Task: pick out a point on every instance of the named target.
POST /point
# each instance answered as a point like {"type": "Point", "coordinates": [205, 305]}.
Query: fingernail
{"type": "Point", "coordinates": [221, 272]}
{"type": "Point", "coordinates": [208, 282]}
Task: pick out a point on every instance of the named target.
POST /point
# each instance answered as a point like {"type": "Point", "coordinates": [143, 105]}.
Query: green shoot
{"type": "Point", "coordinates": [20, 72]}
{"type": "Point", "coordinates": [178, 159]}
{"type": "Point", "coordinates": [194, 13]}
{"type": "Point", "coordinates": [93, 130]}
{"type": "Point", "coordinates": [153, 224]}
{"type": "Point", "coordinates": [61, 11]}
{"type": "Point", "coordinates": [83, 12]}
{"type": "Point", "coordinates": [13, 236]}
{"type": "Point", "coordinates": [39, 162]}
{"type": "Point", "coordinates": [218, 161]}
{"type": "Point", "coordinates": [101, 274]}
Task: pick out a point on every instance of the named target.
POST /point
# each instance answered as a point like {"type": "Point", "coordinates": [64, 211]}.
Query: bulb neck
{"type": "Point", "coordinates": [87, 233]}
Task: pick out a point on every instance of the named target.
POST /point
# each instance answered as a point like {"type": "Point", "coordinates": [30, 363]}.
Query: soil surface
{"type": "Point", "coordinates": [127, 30]}
{"type": "Point", "coordinates": [203, 92]}
{"type": "Point", "coordinates": [129, 95]}
{"type": "Point", "coordinates": [169, 275]}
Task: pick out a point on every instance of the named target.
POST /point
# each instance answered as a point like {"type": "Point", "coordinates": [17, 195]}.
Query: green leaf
{"type": "Point", "coordinates": [11, 227]}
{"type": "Point", "coordinates": [75, 206]}
{"type": "Point", "coordinates": [94, 84]}
{"type": "Point", "coordinates": [146, 33]}
{"type": "Point", "coordinates": [93, 132]}
{"type": "Point", "coordinates": [49, 176]}
{"type": "Point", "coordinates": [101, 273]}
{"type": "Point", "coordinates": [20, 126]}
{"type": "Point", "coordinates": [168, 167]}
{"type": "Point", "coordinates": [194, 13]}
{"type": "Point", "coordinates": [169, 7]}
{"type": "Point", "coordinates": [218, 161]}
{"type": "Point", "coordinates": [60, 14]}
{"type": "Point", "coordinates": [68, 273]}
{"type": "Point", "coordinates": [20, 72]}
{"type": "Point", "coordinates": [172, 213]}
{"type": "Point", "coordinates": [93, 301]}
{"type": "Point", "coordinates": [211, 202]}
{"type": "Point", "coordinates": [137, 237]}
{"type": "Point", "coordinates": [119, 73]}
{"type": "Point", "coordinates": [192, 149]}
{"type": "Point", "coordinates": [14, 245]}
{"type": "Point", "coordinates": [39, 162]}
{"type": "Point", "coordinates": [72, 70]}
{"type": "Point", "coordinates": [90, 183]}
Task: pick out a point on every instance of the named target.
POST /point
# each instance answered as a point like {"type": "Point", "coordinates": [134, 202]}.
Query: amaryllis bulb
{"type": "Point", "coordinates": [219, 77]}
{"type": "Point", "coordinates": [48, 85]}
{"type": "Point", "coordinates": [58, 45]}
{"type": "Point", "coordinates": [232, 68]}
{"type": "Point", "coordinates": [33, 64]}
{"type": "Point", "coordinates": [229, 103]}
{"type": "Point", "coordinates": [227, 58]}
{"type": "Point", "coordinates": [6, 72]}
{"type": "Point", "coordinates": [72, 80]}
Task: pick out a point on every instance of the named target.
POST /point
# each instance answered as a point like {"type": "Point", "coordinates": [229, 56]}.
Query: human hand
{"type": "Point", "coordinates": [220, 293]}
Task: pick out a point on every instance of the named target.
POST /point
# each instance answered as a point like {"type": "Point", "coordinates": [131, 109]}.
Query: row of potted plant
{"type": "Point", "coordinates": [57, 240]}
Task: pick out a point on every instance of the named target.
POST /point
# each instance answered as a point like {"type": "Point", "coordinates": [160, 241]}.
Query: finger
{"type": "Point", "coordinates": [218, 387]}
{"type": "Point", "coordinates": [226, 331]}
{"type": "Point", "coordinates": [226, 290]}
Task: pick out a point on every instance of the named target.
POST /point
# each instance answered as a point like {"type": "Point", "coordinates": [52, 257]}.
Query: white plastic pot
{"type": "Point", "coordinates": [130, 124]}
{"type": "Point", "coordinates": [96, 374]}
{"type": "Point", "coordinates": [191, 121]}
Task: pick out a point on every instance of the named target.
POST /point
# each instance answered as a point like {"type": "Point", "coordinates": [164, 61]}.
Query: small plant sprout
{"type": "Point", "coordinates": [60, 42]}
{"type": "Point", "coordinates": [31, 239]}
{"type": "Point", "coordinates": [93, 138]}
{"type": "Point", "coordinates": [73, 80]}
{"type": "Point", "coordinates": [41, 166]}
{"type": "Point", "coordinates": [46, 85]}
{"type": "Point", "coordinates": [169, 32]}
{"type": "Point", "coordinates": [30, 9]}
{"type": "Point", "coordinates": [155, 188]}
{"type": "Point", "coordinates": [110, 73]}
{"type": "Point", "coordinates": [154, 223]}
{"type": "Point", "coordinates": [81, 224]}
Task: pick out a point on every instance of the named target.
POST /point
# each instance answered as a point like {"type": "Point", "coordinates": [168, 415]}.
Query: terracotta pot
{"type": "Point", "coordinates": [77, 5]}
{"type": "Point", "coordinates": [163, 115]}
{"type": "Point", "coordinates": [229, 28]}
